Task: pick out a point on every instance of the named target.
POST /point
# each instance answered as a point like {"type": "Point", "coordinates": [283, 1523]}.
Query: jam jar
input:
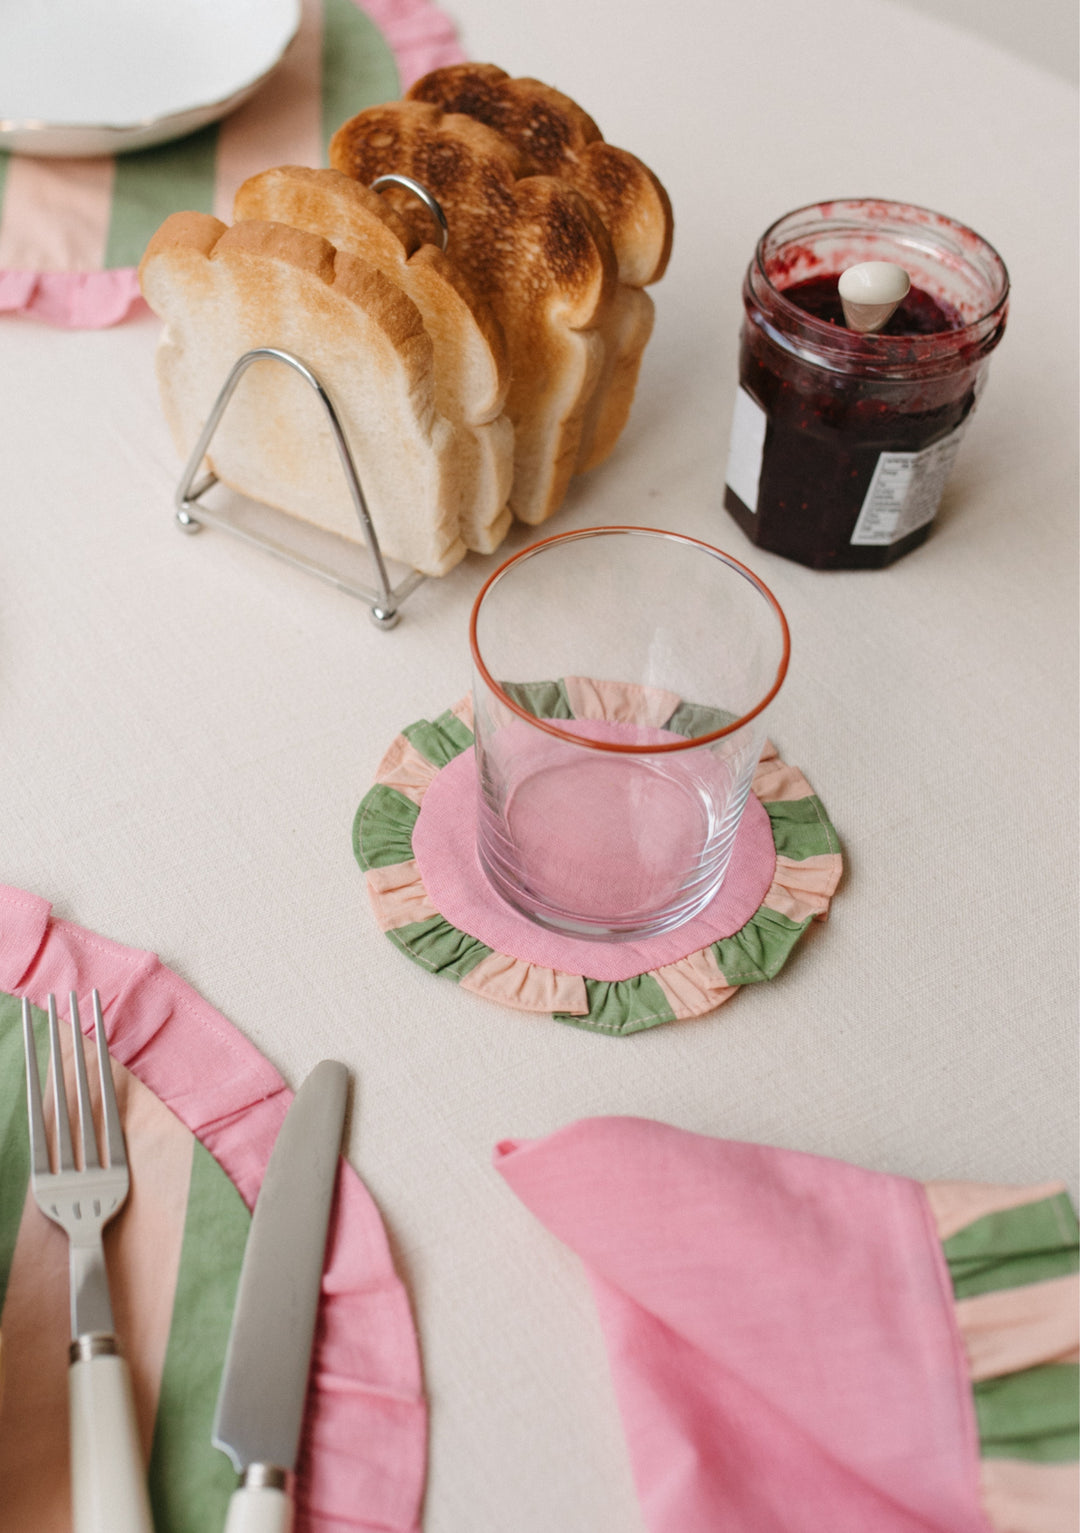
{"type": "Point", "coordinates": [841, 441]}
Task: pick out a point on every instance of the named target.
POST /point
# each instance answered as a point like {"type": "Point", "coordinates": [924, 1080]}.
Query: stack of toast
{"type": "Point", "coordinates": [471, 384]}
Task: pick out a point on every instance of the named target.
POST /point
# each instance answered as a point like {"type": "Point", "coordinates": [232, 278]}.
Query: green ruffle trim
{"type": "Point", "coordinates": [760, 949]}
{"type": "Point", "coordinates": [621, 1006]}
{"type": "Point", "coordinates": [1030, 1415]}
{"type": "Point", "coordinates": [383, 827]}
{"type": "Point", "coordinates": [441, 741]}
{"type": "Point", "coordinates": [693, 719]}
{"type": "Point", "coordinates": [543, 699]}
{"type": "Point", "coordinates": [801, 828]}
{"type": "Point", "coordinates": [1016, 1246]}
{"type": "Point", "coordinates": [1034, 1414]}
{"type": "Point", "coordinates": [439, 947]}
{"type": "Point", "coordinates": [382, 836]}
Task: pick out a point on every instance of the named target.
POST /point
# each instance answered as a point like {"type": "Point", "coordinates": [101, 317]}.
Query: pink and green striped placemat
{"type": "Point", "coordinates": [72, 232]}
{"type": "Point", "coordinates": [201, 1109]}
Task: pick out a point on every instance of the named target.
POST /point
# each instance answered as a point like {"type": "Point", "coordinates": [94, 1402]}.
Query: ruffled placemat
{"type": "Point", "coordinates": [201, 1109]}
{"type": "Point", "coordinates": [72, 232]}
{"type": "Point", "coordinates": [414, 836]}
{"type": "Point", "coordinates": [801, 1344]}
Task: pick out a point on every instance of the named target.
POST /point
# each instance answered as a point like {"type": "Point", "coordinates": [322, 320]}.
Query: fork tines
{"type": "Point", "coordinates": [115, 1154]}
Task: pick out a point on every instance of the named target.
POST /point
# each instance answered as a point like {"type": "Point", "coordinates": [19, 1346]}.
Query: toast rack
{"type": "Point", "coordinates": [384, 598]}
{"type": "Point", "coordinates": [191, 512]}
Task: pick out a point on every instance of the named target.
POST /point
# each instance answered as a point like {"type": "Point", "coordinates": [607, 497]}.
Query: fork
{"type": "Point", "coordinates": [109, 1492]}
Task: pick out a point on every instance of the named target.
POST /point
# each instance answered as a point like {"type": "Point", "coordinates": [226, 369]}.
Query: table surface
{"type": "Point", "coordinates": [189, 724]}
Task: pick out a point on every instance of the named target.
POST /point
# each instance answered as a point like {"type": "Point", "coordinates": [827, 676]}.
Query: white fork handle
{"type": "Point", "coordinates": [107, 1474]}
{"type": "Point", "coordinates": [259, 1509]}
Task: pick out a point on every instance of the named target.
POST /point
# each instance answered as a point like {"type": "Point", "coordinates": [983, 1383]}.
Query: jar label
{"type": "Point", "coordinates": [745, 449]}
{"type": "Point", "coordinates": [904, 492]}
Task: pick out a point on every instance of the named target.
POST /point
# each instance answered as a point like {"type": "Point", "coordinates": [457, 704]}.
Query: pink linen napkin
{"type": "Point", "coordinates": [782, 1333]}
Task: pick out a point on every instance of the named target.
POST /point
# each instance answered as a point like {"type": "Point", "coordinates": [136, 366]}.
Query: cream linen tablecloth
{"type": "Point", "coordinates": [188, 725]}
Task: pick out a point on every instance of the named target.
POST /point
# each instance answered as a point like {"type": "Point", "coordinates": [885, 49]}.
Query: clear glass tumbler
{"type": "Point", "coordinates": [621, 677]}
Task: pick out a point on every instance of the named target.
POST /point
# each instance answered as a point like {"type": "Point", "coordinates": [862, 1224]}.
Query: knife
{"type": "Point", "coordinates": [260, 1407]}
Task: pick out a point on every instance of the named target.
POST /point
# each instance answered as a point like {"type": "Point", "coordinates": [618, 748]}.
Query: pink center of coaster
{"type": "Point", "coordinates": [444, 845]}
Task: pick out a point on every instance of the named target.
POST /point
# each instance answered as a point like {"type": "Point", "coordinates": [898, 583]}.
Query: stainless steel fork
{"type": "Point", "coordinates": [108, 1480]}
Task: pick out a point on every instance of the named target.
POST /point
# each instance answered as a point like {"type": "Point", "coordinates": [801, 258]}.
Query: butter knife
{"type": "Point", "coordinates": [260, 1407]}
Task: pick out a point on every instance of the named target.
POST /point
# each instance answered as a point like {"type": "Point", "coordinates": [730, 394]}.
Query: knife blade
{"type": "Point", "coordinates": [260, 1406]}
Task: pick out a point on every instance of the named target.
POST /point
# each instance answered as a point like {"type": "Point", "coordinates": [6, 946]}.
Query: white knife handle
{"type": "Point", "coordinates": [108, 1480]}
{"type": "Point", "coordinates": [259, 1509]}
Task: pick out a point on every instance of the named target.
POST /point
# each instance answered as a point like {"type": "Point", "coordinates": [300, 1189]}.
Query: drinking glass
{"type": "Point", "coordinates": [621, 678]}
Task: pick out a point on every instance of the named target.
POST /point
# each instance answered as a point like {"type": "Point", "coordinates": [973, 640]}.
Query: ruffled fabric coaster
{"type": "Point", "coordinates": [414, 836]}
{"type": "Point", "coordinates": [73, 231]}
{"type": "Point", "coordinates": [201, 1110]}
{"type": "Point", "coordinates": [797, 1344]}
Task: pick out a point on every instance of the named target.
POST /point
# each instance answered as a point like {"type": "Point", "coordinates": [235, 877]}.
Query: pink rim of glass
{"type": "Point", "coordinates": [549, 726]}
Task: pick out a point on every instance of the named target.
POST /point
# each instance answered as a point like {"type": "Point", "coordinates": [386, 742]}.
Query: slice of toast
{"type": "Point", "coordinates": [222, 292]}
{"type": "Point", "coordinates": [556, 137]}
{"type": "Point", "coordinates": [535, 250]}
{"type": "Point", "coordinates": [471, 369]}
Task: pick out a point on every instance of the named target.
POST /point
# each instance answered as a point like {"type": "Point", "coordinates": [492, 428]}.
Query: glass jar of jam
{"type": "Point", "coordinates": [841, 442]}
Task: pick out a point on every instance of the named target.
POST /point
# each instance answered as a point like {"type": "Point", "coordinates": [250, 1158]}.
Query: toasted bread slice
{"type": "Point", "coordinates": [556, 137]}
{"type": "Point", "coordinates": [472, 373]}
{"type": "Point", "coordinates": [626, 333]}
{"type": "Point", "coordinates": [223, 292]}
{"type": "Point", "coordinates": [534, 249]}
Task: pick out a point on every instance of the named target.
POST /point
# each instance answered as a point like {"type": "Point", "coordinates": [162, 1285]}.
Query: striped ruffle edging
{"type": "Point", "coordinates": [1014, 1257]}
{"type": "Point", "coordinates": [807, 871]}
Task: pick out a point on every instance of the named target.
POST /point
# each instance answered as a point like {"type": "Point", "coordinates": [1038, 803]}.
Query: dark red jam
{"type": "Point", "coordinates": [918, 314]}
{"type": "Point", "coordinates": [826, 432]}
{"type": "Point", "coordinates": [843, 440]}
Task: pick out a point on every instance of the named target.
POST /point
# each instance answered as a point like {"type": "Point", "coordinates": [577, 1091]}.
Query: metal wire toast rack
{"type": "Point", "coordinates": [384, 598]}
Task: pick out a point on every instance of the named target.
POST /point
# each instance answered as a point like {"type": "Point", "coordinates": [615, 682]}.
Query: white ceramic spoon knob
{"type": "Point", "coordinates": [871, 293]}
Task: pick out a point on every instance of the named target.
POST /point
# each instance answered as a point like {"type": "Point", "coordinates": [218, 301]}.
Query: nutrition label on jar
{"type": "Point", "coordinates": [904, 492]}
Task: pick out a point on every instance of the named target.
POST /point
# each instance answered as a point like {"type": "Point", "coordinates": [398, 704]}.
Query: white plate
{"type": "Point", "coordinates": [91, 77]}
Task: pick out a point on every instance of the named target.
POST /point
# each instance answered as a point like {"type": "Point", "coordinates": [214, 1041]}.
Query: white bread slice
{"type": "Point", "coordinates": [555, 137]}
{"type": "Point", "coordinates": [472, 374]}
{"type": "Point", "coordinates": [532, 246]}
{"type": "Point", "coordinates": [222, 292]}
